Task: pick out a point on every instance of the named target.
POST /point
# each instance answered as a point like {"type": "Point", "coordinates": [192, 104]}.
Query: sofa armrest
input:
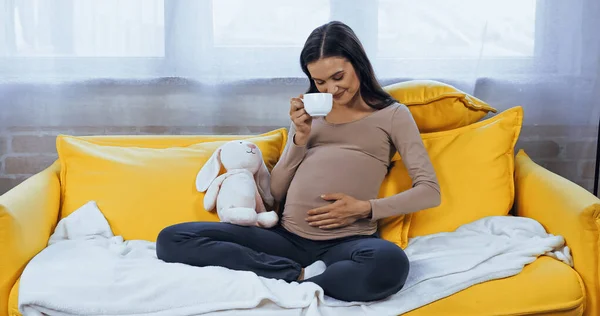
{"type": "Point", "coordinates": [28, 215]}
{"type": "Point", "coordinates": [564, 209]}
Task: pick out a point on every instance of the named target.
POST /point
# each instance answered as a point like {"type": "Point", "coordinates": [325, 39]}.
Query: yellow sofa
{"type": "Point", "coordinates": [30, 211]}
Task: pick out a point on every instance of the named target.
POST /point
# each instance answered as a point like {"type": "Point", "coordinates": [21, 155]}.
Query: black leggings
{"type": "Point", "coordinates": [359, 268]}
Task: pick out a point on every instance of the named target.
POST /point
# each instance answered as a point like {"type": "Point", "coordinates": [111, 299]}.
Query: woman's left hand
{"type": "Point", "coordinates": [343, 212]}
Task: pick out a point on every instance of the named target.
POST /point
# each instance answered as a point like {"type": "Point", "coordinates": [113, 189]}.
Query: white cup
{"type": "Point", "coordinates": [318, 104]}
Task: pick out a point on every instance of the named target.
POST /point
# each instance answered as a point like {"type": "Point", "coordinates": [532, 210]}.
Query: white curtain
{"type": "Point", "coordinates": [543, 55]}
{"type": "Point", "coordinates": [216, 40]}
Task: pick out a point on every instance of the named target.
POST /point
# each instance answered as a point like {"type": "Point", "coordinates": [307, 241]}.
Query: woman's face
{"type": "Point", "coordinates": [336, 75]}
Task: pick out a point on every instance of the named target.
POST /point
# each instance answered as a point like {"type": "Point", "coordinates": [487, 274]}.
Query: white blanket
{"type": "Point", "coordinates": [86, 270]}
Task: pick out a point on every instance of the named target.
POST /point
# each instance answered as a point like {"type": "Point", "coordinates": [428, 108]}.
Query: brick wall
{"type": "Point", "coordinates": [567, 150]}
{"type": "Point", "coordinates": [31, 115]}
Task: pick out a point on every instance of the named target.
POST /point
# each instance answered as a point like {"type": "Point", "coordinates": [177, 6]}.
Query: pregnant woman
{"type": "Point", "coordinates": [327, 179]}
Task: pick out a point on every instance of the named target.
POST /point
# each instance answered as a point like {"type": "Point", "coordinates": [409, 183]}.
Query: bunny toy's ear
{"type": "Point", "coordinates": [209, 171]}
{"type": "Point", "coordinates": [263, 181]}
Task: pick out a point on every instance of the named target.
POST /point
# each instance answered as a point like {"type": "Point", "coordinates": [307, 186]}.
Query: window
{"type": "Point", "coordinates": [457, 37]}
{"type": "Point", "coordinates": [261, 38]}
{"type": "Point", "coordinates": [267, 23]}
{"type": "Point", "coordinates": [464, 28]}
{"type": "Point", "coordinates": [87, 28]}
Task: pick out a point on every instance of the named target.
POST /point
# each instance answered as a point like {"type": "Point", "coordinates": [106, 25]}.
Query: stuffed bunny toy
{"type": "Point", "coordinates": [238, 193]}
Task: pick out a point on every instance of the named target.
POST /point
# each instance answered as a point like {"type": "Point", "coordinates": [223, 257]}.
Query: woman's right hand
{"type": "Point", "coordinates": [302, 121]}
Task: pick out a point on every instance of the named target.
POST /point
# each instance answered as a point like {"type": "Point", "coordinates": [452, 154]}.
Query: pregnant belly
{"type": "Point", "coordinates": [352, 173]}
{"type": "Point", "coordinates": [305, 196]}
{"type": "Point", "coordinates": [358, 176]}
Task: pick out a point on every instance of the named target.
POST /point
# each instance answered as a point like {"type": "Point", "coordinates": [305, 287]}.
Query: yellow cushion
{"type": "Point", "coordinates": [142, 190]}
{"type": "Point", "coordinates": [437, 106]}
{"type": "Point", "coordinates": [395, 228]}
{"type": "Point", "coordinates": [474, 165]}
{"type": "Point", "coordinates": [546, 286]}
{"type": "Point", "coordinates": [165, 141]}
{"type": "Point", "coordinates": [13, 300]}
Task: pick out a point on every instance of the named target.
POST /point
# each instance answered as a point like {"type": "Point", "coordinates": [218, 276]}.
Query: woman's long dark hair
{"type": "Point", "coordinates": [336, 39]}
